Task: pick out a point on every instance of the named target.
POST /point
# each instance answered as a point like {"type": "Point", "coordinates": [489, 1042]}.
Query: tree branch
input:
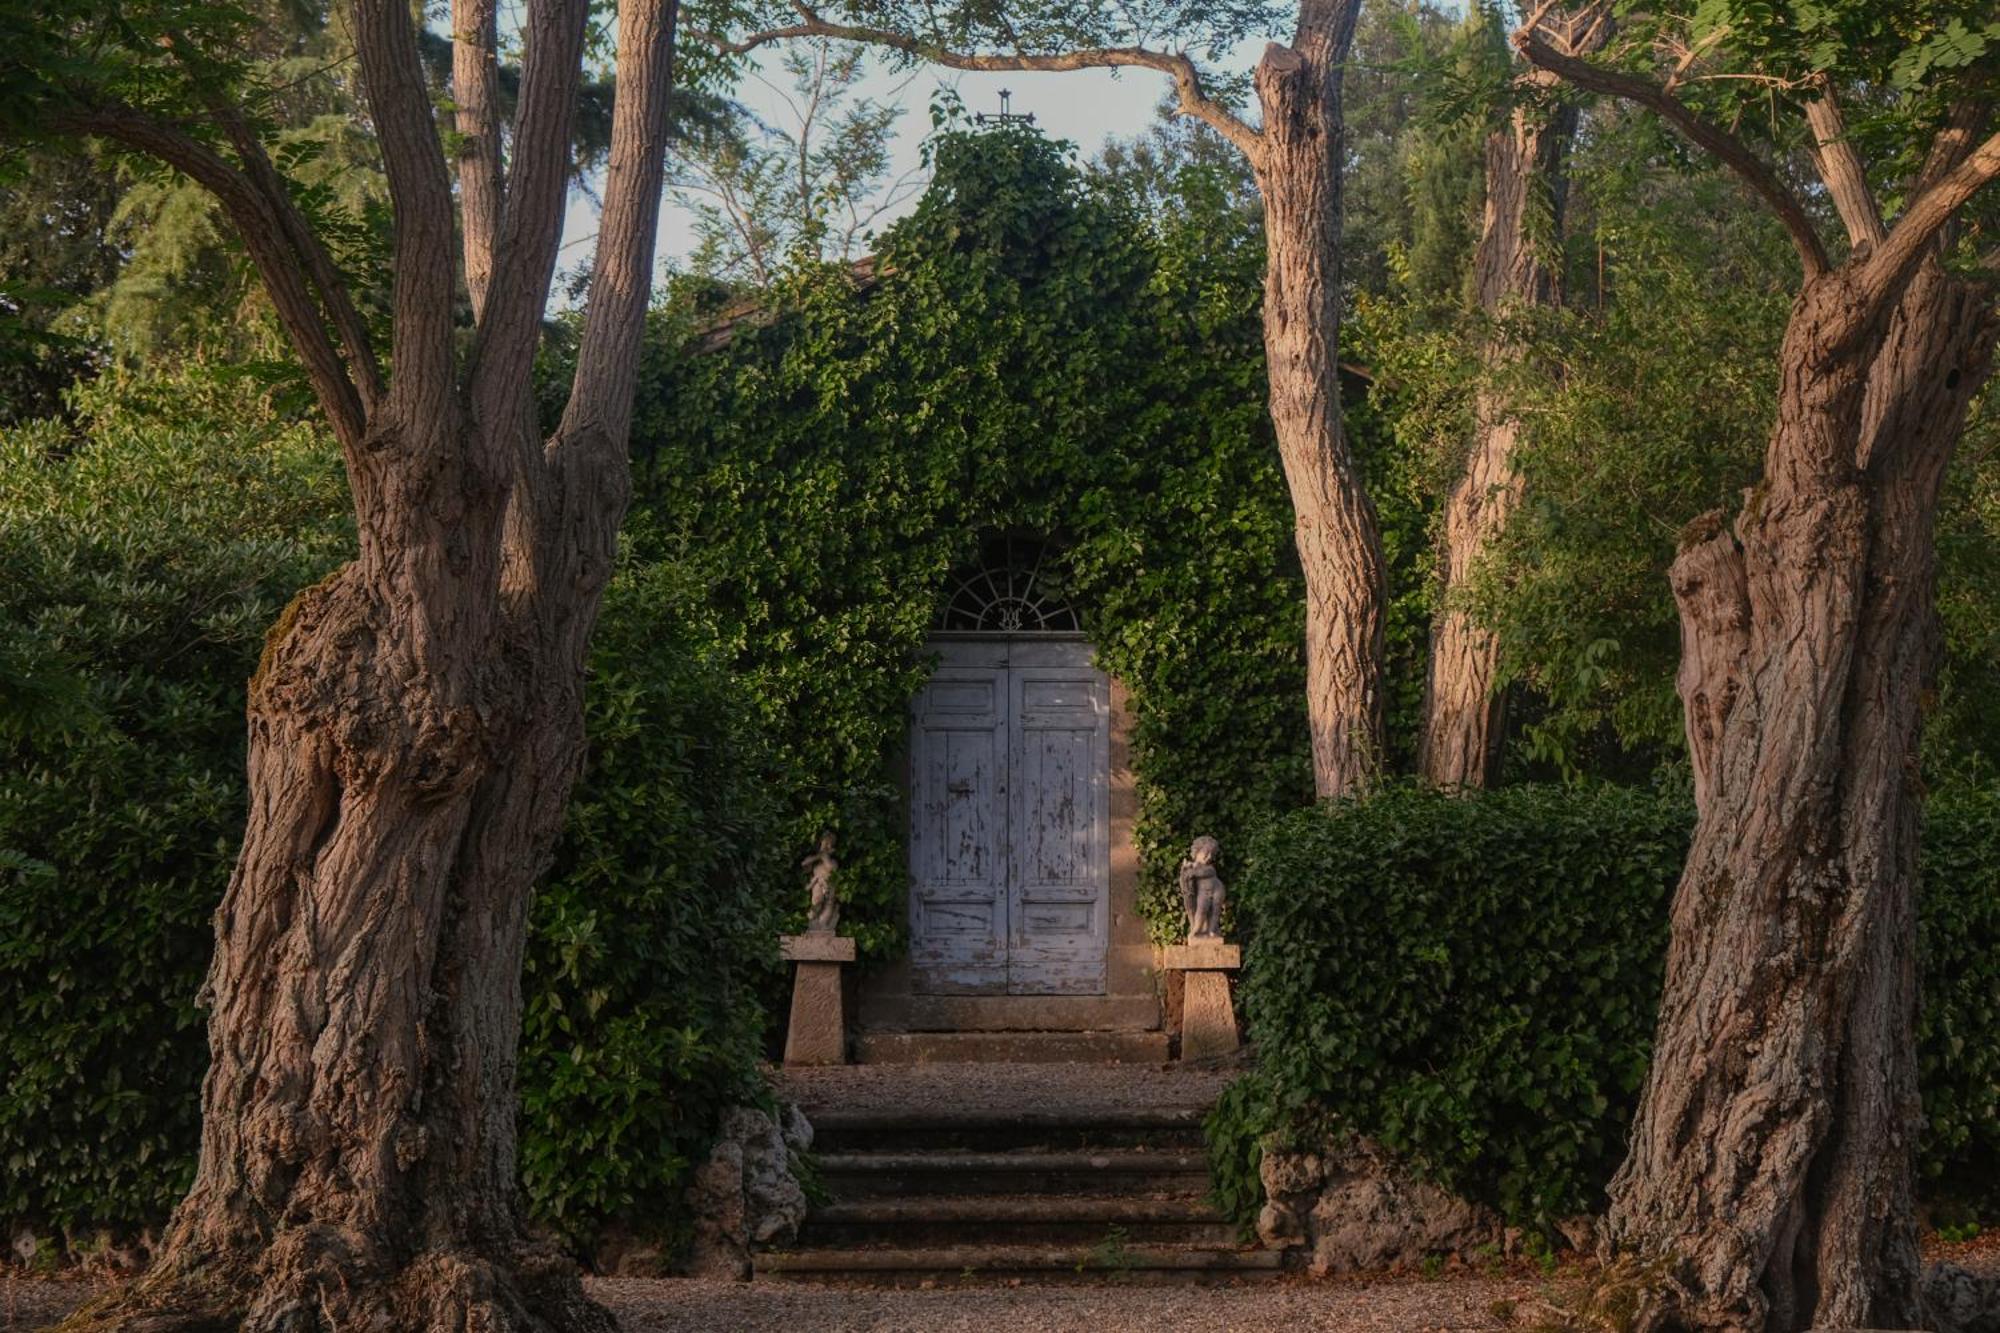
{"type": "Point", "coordinates": [257, 220]}
{"type": "Point", "coordinates": [1891, 262]}
{"type": "Point", "coordinates": [475, 91]}
{"type": "Point", "coordinates": [1964, 123]}
{"type": "Point", "coordinates": [621, 283]}
{"type": "Point", "coordinates": [531, 222]}
{"type": "Point", "coordinates": [419, 191]}
{"type": "Point", "coordinates": [317, 264]}
{"type": "Point", "coordinates": [1194, 99]}
{"type": "Point", "coordinates": [1728, 149]}
{"type": "Point", "coordinates": [1840, 167]}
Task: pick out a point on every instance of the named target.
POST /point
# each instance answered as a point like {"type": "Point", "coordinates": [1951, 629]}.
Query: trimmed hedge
{"type": "Point", "coordinates": [144, 557]}
{"type": "Point", "coordinates": [1473, 981]}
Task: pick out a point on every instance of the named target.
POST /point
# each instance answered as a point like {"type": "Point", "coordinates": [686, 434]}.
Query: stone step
{"type": "Point", "coordinates": [918, 1048]}
{"type": "Point", "coordinates": [1159, 1128]}
{"type": "Point", "coordinates": [1010, 1013]}
{"type": "Point", "coordinates": [1168, 1172]}
{"type": "Point", "coordinates": [1108, 1259]}
{"type": "Point", "coordinates": [1034, 1220]}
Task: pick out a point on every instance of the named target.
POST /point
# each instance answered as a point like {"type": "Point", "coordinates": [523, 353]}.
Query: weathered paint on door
{"type": "Point", "coordinates": [1010, 821]}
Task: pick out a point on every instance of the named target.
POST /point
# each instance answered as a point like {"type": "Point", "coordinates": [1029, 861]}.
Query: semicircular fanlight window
{"type": "Point", "coordinates": [1008, 592]}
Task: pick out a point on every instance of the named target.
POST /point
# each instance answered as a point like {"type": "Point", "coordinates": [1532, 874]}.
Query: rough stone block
{"type": "Point", "coordinates": [818, 1032]}
{"type": "Point", "coordinates": [816, 948]}
{"type": "Point", "coordinates": [1208, 1018]}
{"type": "Point", "coordinates": [1206, 957]}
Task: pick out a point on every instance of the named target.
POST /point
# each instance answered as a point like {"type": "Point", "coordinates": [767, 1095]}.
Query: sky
{"type": "Point", "coordinates": [1086, 107]}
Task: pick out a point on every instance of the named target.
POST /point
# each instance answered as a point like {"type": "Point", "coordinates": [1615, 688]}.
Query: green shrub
{"type": "Point", "coordinates": [654, 935]}
{"type": "Point", "coordinates": [1958, 1024]}
{"type": "Point", "coordinates": [1473, 981]}
{"type": "Point", "coordinates": [144, 557]}
{"type": "Point", "coordinates": [140, 563]}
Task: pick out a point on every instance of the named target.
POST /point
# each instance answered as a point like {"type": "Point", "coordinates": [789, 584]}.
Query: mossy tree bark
{"type": "Point", "coordinates": [416, 722]}
{"type": "Point", "coordinates": [1770, 1168]}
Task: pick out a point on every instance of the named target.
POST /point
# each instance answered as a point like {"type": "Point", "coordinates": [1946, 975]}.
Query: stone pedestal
{"type": "Point", "coordinates": [818, 1031]}
{"type": "Point", "coordinates": [1208, 1016]}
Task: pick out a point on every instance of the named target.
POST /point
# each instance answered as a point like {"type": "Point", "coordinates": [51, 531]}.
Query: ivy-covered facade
{"type": "Point", "coordinates": [1032, 355]}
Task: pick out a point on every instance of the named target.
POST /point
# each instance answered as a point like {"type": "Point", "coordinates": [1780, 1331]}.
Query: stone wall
{"type": "Point", "coordinates": [1349, 1208]}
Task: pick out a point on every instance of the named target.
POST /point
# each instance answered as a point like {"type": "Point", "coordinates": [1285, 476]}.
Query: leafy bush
{"type": "Point", "coordinates": [1958, 1025]}
{"type": "Point", "coordinates": [654, 935]}
{"type": "Point", "coordinates": [144, 559]}
{"type": "Point", "coordinates": [1473, 981]}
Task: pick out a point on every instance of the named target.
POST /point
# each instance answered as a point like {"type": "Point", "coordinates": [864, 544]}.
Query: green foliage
{"type": "Point", "coordinates": [1472, 981]}
{"type": "Point", "coordinates": [654, 934]}
{"type": "Point", "coordinates": [1958, 1026]}
{"type": "Point", "coordinates": [145, 555]}
{"type": "Point", "coordinates": [1644, 403]}
{"type": "Point", "coordinates": [143, 560]}
{"type": "Point", "coordinates": [1032, 356]}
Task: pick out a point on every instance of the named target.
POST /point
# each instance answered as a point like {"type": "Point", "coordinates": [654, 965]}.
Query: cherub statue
{"type": "Point", "coordinates": [824, 914]}
{"type": "Point", "coordinates": [1203, 894]}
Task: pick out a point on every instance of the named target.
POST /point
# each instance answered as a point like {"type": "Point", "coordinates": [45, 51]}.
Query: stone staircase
{"type": "Point", "coordinates": [984, 1195]}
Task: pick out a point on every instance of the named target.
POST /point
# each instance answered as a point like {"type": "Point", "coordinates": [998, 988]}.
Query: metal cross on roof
{"type": "Point", "coordinates": [1005, 115]}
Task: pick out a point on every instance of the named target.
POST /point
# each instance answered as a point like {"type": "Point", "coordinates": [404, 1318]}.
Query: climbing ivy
{"type": "Point", "coordinates": [1032, 352]}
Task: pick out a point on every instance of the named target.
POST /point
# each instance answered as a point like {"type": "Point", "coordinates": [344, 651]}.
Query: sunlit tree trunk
{"type": "Point", "coordinates": [1298, 167]}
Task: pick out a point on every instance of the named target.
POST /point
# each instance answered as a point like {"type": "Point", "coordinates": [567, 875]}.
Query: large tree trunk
{"type": "Point", "coordinates": [415, 727]}
{"type": "Point", "coordinates": [1526, 189]}
{"type": "Point", "coordinates": [1298, 165]}
{"type": "Point", "coordinates": [1770, 1162]}
{"type": "Point", "coordinates": [412, 748]}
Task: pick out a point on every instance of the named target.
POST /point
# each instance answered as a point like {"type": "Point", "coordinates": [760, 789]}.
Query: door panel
{"type": "Point", "coordinates": [1059, 759]}
{"type": "Point", "coordinates": [958, 833]}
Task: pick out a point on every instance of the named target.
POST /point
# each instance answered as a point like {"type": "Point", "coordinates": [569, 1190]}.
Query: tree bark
{"type": "Point", "coordinates": [1298, 167]}
{"type": "Point", "coordinates": [1464, 709]}
{"type": "Point", "coordinates": [1771, 1161]}
{"type": "Point", "coordinates": [415, 727]}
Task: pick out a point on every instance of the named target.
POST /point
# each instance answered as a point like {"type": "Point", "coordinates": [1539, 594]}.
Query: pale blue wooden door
{"type": "Point", "coordinates": [1058, 830]}
{"type": "Point", "coordinates": [1010, 821]}
{"type": "Point", "coordinates": [958, 830]}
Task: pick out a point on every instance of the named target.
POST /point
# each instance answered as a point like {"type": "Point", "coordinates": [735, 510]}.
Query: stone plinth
{"type": "Point", "coordinates": [818, 1031]}
{"type": "Point", "coordinates": [1208, 1016]}
{"type": "Point", "coordinates": [816, 948]}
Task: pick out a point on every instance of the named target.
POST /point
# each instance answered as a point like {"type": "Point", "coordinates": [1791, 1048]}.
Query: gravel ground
{"type": "Point", "coordinates": [1000, 1087]}
{"type": "Point", "coordinates": [662, 1306]}
{"type": "Point", "coordinates": [1381, 1307]}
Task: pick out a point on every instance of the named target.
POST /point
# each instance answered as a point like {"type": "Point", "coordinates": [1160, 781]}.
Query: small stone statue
{"type": "Point", "coordinates": [824, 914]}
{"type": "Point", "coordinates": [1203, 894]}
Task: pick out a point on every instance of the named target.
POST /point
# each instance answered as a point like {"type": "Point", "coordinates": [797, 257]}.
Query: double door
{"type": "Point", "coordinates": [1010, 820]}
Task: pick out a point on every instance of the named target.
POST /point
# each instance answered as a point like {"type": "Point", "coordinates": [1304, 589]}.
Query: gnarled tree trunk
{"type": "Point", "coordinates": [1771, 1160]}
{"type": "Point", "coordinates": [1464, 709]}
{"type": "Point", "coordinates": [415, 727]}
{"type": "Point", "coordinates": [1298, 166]}
{"type": "Point", "coordinates": [1769, 1171]}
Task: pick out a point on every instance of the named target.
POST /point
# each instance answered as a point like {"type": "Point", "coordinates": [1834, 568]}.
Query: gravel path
{"type": "Point", "coordinates": [1462, 1303]}
{"type": "Point", "coordinates": [1000, 1087]}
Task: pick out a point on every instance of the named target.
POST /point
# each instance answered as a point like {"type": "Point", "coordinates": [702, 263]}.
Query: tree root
{"type": "Point", "coordinates": [312, 1283]}
{"type": "Point", "coordinates": [1627, 1295]}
